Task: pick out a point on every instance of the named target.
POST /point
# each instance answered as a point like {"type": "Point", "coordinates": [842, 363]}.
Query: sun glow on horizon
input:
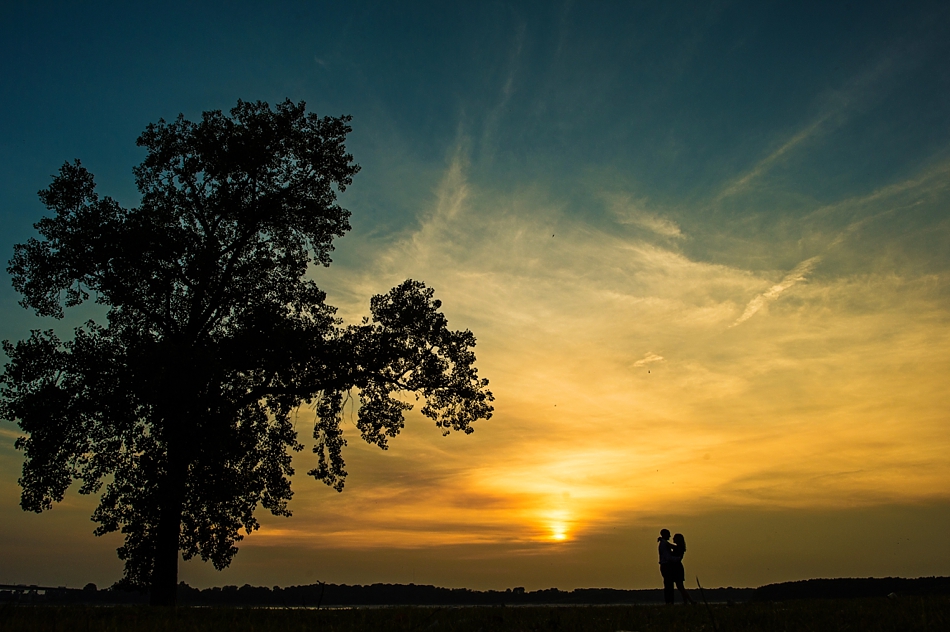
{"type": "Point", "coordinates": [558, 524]}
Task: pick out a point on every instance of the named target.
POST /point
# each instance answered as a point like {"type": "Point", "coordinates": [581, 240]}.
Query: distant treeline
{"type": "Point", "coordinates": [852, 588]}
{"type": "Point", "coordinates": [341, 595]}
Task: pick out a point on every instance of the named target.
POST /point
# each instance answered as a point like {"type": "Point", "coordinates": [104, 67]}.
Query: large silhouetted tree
{"type": "Point", "coordinates": [180, 403]}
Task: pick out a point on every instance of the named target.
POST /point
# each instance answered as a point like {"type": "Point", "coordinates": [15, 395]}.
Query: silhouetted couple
{"type": "Point", "coordinates": [671, 565]}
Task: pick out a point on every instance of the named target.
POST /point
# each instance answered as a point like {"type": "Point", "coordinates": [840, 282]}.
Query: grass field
{"type": "Point", "coordinates": [903, 613]}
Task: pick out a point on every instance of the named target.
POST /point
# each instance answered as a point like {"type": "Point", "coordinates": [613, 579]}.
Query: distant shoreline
{"type": "Point", "coordinates": [380, 595]}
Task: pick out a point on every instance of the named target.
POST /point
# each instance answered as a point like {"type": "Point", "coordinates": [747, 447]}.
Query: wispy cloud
{"type": "Point", "coordinates": [797, 275]}
{"type": "Point", "coordinates": [649, 358]}
{"type": "Point", "coordinates": [628, 211]}
{"type": "Point", "coordinates": [10, 434]}
{"type": "Point", "coordinates": [741, 183]}
{"type": "Point", "coordinates": [488, 141]}
{"type": "Point", "coordinates": [887, 200]}
{"type": "Point", "coordinates": [833, 113]}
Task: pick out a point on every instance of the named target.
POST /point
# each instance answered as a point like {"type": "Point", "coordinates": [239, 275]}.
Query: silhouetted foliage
{"type": "Point", "coordinates": [334, 595]}
{"type": "Point", "coordinates": [852, 588]}
{"type": "Point", "coordinates": [181, 403]}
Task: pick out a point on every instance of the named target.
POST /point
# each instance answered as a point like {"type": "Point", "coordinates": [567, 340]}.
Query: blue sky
{"type": "Point", "coordinates": [747, 199]}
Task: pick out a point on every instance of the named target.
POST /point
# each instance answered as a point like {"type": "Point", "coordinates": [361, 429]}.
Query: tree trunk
{"type": "Point", "coordinates": [164, 586]}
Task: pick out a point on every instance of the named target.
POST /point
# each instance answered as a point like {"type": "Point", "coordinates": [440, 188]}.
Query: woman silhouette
{"type": "Point", "coordinates": [679, 573]}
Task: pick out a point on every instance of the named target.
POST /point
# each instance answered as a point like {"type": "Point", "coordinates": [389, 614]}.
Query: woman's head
{"type": "Point", "coordinates": [679, 540]}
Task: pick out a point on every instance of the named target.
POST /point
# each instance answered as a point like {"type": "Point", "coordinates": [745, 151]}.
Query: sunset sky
{"type": "Point", "coordinates": [704, 248]}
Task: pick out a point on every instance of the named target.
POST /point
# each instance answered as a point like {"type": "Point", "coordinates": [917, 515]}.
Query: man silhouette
{"type": "Point", "coordinates": [667, 564]}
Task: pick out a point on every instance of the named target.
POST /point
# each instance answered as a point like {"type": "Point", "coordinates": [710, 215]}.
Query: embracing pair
{"type": "Point", "coordinates": [671, 565]}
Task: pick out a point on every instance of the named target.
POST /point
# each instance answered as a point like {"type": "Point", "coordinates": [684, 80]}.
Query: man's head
{"type": "Point", "coordinates": [665, 534]}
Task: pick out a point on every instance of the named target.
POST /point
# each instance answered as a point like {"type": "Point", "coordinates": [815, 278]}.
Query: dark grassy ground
{"type": "Point", "coordinates": [903, 613]}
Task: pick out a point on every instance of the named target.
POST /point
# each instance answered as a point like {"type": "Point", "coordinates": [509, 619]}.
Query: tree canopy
{"type": "Point", "coordinates": [177, 409]}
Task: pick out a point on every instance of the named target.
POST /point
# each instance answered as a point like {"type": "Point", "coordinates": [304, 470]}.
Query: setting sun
{"type": "Point", "coordinates": [558, 525]}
